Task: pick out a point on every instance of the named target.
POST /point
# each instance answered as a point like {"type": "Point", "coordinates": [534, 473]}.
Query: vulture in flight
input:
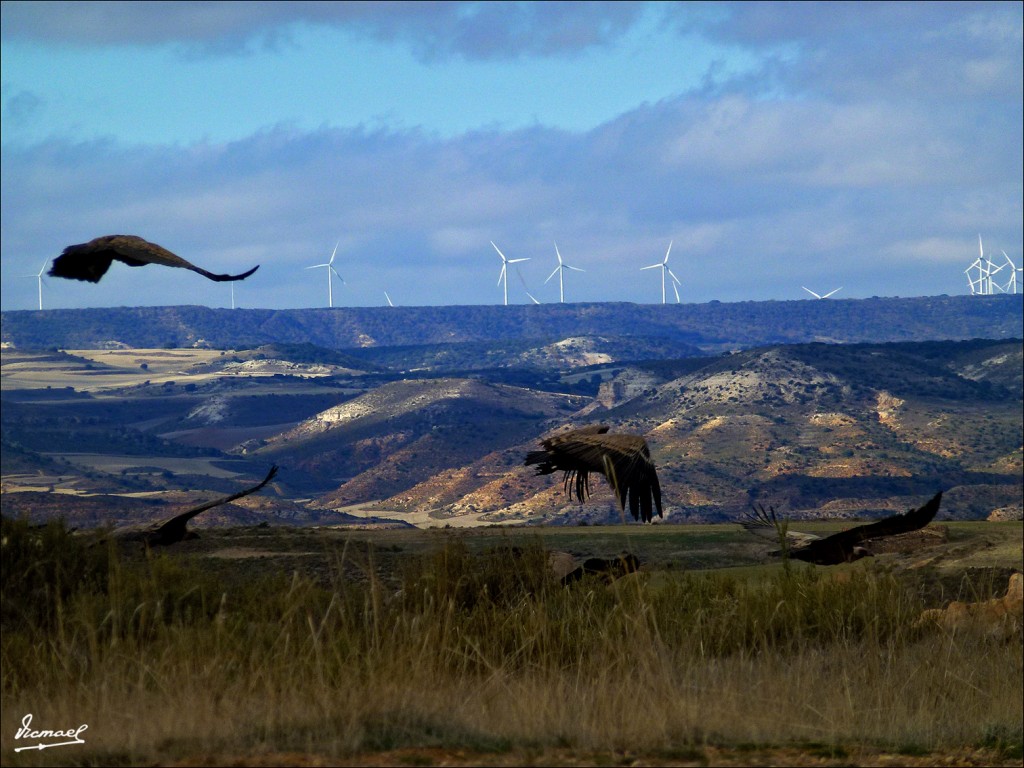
{"type": "Point", "coordinates": [90, 261]}
{"type": "Point", "coordinates": [624, 460]}
{"type": "Point", "coordinates": [845, 546]}
{"type": "Point", "coordinates": [174, 530]}
{"type": "Point", "coordinates": [610, 568]}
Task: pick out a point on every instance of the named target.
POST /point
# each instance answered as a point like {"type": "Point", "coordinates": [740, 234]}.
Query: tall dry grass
{"type": "Point", "coordinates": [164, 660]}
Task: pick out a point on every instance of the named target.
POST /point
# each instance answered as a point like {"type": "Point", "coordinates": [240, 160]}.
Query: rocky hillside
{"type": "Point", "coordinates": [711, 327]}
{"type": "Point", "coordinates": [402, 433]}
{"type": "Point", "coordinates": [811, 429]}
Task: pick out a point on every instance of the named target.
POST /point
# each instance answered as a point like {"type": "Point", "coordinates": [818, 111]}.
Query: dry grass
{"type": "Point", "coordinates": [480, 652]}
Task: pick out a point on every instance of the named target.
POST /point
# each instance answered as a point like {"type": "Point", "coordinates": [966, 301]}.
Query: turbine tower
{"type": "Point", "coordinates": [665, 270]}
{"type": "Point", "coordinates": [977, 285]}
{"type": "Point", "coordinates": [503, 275]}
{"type": "Point", "coordinates": [1011, 284]}
{"type": "Point", "coordinates": [330, 269]}
{"type": "Point", "coordinates": [818, 296]}
{"type": "Point", "coordinates": [559, 270]}
{"type": "Point", "coordinates": [39, 280]}
{"type": "Point", "coordinates": [984, 268]}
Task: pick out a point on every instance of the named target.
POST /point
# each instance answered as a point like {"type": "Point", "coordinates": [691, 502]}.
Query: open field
{"type": "Point", "coordinates": [323, 646]}
{"type": "Point", "coordinates": [100, 370]}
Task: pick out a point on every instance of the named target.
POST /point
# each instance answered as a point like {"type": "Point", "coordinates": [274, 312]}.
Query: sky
{"type": "Point", "coordinates": [774, 145]}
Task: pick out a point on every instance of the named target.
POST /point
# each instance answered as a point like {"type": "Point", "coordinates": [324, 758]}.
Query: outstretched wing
{"type": "Point", "coordinates": [827, 549]}
{"type": "Point", "coordinates": [90, 261]}
{"type": "Point", "coordinates": [631, 473]}
{"type": "Point", "coordinates": [576, 464]}
{"type": "Point", "coordinates": [173, 530]}
{"type": "Point", "coordinates": [766, 524]}
{"type": "Point", "coordinates": [624, 460]}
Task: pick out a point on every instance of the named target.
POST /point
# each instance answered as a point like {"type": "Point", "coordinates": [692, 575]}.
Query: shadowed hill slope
{"type": "Point", "coordinates": [713, 326]}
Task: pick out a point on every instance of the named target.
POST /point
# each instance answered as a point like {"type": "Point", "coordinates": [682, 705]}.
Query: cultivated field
{"type": "Point", "coordinates": [407, 647]}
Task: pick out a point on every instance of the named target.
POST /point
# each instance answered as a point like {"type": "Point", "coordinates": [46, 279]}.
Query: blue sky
{"type": "Point", "coordinates": [776, 145]}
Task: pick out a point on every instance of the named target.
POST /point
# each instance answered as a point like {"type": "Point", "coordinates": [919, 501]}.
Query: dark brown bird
{"type": "Point", "coordinates": [90, 261]}
{"type": "Point", "coordinates": [174, 530]}
{"type": "Point", "coordinates": [624, 460]}
{"type": "Point", "coordinates": [845, 546]}
{"type": "Point", "coordinates": [609, 568]}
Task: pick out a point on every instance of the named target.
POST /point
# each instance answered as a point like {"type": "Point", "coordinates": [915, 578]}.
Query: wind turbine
{"type": "Point", "coordinates": [1011, 284]}
{"type": "Point", "coordinates": [665, 269]}
{"type": "Point", "coordinates": [977, 285]}
{"type": "Point", "coordinates": [527, 290]}
{"type": "Point", "coordinates": [991, 284]}
{"type": "Point", "coordinates": [503, 275]}
{"type": "Point", "coordinates": [562, 266]}
{"type": "Point", "coordinates": [330, 269]}
{"type": "Point", "coordinates": [39, 279]}
{"type": "Point", "coordinates": [815, 295]}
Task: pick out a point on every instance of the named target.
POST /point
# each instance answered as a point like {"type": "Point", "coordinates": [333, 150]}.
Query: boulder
{"type": "Point", "coordinates": [1000, 617]}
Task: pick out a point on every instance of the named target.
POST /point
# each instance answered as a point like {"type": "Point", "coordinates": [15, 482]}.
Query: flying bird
{"type": "Point", "coordinates": [609, 568]}
{"type": "Point", "coordinates": [90, 261]}
{"type": "Point", "coordinates": [624, 460]}
{"type": "Point", "coordinates": [172, 531]}
{"type": "Point", "coordinates": [845, 546]}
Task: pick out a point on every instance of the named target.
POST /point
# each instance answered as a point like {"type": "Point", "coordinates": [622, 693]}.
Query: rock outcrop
{"type": "Point", "coordinates": [999, 618]}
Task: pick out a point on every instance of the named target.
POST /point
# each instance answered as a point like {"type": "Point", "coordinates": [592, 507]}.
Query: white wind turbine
{"type": "Point", "coordinates": [39, 279]}
{"type": "Point", "coordinates": [818, 296]}
{"type": "Point", "coordinates": [330, 269]}
{"type": "Point", "coordinates": [993, 286]}
{"type": "Point", "coordinates": [977, 285]}
{"type": "Point", "coordinates": [503, 275]}
{"type": "Point", "coordinates": [527, 290]}
{"type": "Point", "coordinates": [562, 266]}
{"type": "Point", "coordinates": [665, 270]}
{"type": "Point", "coordinates": [984, 267]}
{"type": "Point", "coordinates": [1011, 285]}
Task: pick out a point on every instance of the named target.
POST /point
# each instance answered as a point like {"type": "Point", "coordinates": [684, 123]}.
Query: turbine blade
{"type": "Point", "coordinates": [653, 266]}
{"type": "Point", "coordinates": [557, 269]}
{"type": "Point", "coordinates": [499, 251]}
{"type": "Point", "coordinates": [516, 261]}
{"type": "Point", "coordinates": [577, 269]}
{"type": "Point", "coordinates": [810, 292]}
{"type": "Point", "coordinates": [668, 252]}
{"type": "Point", "coordinates": [334, 252]}
{"type": "Point", "coordinates": [502, 273]}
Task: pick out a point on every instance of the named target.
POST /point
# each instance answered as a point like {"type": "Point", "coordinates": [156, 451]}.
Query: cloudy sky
{"type": "Point", "coordinates": [775, 145]}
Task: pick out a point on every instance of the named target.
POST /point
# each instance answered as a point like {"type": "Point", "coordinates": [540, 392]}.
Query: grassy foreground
{"type": "Point", "coordinates": [479, 651]}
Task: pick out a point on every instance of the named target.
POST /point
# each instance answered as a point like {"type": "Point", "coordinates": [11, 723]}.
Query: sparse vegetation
{"type": "Point", "coordinates": [167, 658]}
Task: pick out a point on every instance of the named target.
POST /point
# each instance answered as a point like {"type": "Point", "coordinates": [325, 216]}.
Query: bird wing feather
{"type": "Point", "coordinates": [90, 261]}
{"type": "Point", "coordinates": [624, 460]}
{"type": "Point", "coordinates": [901, 522]}
{"type": "Point", "coordinates": [766, 525]}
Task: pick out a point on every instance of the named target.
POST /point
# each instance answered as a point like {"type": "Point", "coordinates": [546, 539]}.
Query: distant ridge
{"type": "Point", "coordinates": [711, 327]}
